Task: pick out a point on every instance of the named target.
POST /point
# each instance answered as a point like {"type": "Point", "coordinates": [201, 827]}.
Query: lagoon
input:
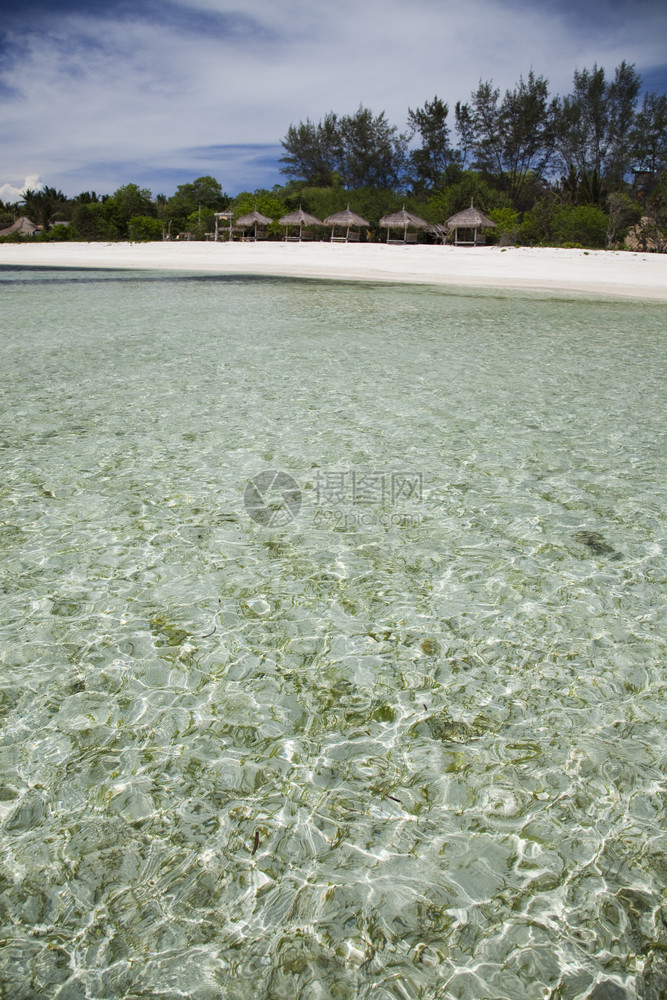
{"type": "Point", "coordinates": [333, 635]}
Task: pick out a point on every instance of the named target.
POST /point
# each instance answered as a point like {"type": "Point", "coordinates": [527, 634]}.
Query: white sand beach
{"type": "Point", "coordinates": [592, 272]}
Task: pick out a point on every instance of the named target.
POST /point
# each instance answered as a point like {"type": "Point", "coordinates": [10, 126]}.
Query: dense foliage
{"type": "Point", "coordinates": [589, 169]}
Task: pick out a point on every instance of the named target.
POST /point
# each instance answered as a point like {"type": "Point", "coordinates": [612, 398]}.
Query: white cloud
{"type": "Point", "coordinates": [11, 194]}
{"type": "Point", "coordinates": [100, 91]}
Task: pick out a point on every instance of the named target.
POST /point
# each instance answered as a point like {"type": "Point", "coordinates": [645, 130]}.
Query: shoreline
{"type": "Point", "coordinates": [607, 273]}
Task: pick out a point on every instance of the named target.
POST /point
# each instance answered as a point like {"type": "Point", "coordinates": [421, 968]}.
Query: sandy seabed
{"type": "Point", "coordinates": [590, 273]}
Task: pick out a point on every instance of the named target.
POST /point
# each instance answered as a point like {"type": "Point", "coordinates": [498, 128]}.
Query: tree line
{"type": "Point", "coordinates": [131, 212]}
{"type": "Point", "coordinates": [585, 168]}
{"type": "Point", "coordinates": [598, 133]}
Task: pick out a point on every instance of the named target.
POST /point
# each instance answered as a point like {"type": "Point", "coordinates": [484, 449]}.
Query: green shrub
{"type": "Point", "coordinates": [623, 212]}
{"type": "Point", "coordinates": [200, 222]}
{"type": "Point", "coordinates": [14, 237]}
{"type": "Point", "coordinates": [551, 223]}
{"type": "Point", "coordinates": [57, 234]}
{"type": "Point", "coordinates": [582, 224]}
{"type": "Point", "coordinates": [507, 226]}
{"type": "Point", "coordinates": [142, 229]}
{"type": "Point", "coordinates": [536, 227]}
{"type": "Point", "coordinates": [95, 221]}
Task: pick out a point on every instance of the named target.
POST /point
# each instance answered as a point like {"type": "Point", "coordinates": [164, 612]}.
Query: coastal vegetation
{"type": "Point", "coordinates": [587, 169]}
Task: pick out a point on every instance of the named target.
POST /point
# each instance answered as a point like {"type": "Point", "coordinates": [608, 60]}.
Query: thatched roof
{"type": "Point", "coordinates": [22, 225]}
{"type": "Point", "coordinates": [346, 218]}
{"type": "Point", "coordinates": [254, 217]}
{"type": "Point", "coordinates": [403, 218]}
{"type": "Point", "coordinates": [300, 218]}
{"type": "Point", "coordinates": [470, 218]}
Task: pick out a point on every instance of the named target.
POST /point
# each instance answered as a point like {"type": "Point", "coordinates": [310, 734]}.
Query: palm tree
{"type": "Point", "coordinates": [44, 207]}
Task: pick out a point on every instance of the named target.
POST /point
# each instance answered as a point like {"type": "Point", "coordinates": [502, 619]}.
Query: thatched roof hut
{"type": "Point", "coordinates": [402, 220]}
{"type": "Point", "coordinates": [300, 219]}
{"type": "Point", "coordinates": [254, 219]}
{"type": "Point", "coordinates": [348, 218]}
{"type": "Point", "coordinates": [469, 221]}
{"type": "Point", "coordinates": [23, 225]}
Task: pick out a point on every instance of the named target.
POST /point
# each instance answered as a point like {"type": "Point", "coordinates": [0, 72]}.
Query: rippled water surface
{"type": "Point", "coordinates": [393, 727]}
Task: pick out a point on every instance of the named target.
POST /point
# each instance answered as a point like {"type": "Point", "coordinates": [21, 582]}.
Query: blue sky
{"type": "Point", "coordinates": [157, 92]}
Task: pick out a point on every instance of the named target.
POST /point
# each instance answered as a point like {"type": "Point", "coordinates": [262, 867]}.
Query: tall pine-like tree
{"type": "Point", "coordinates": [359, 150]}
{"type": "Point", "coordinates": [428, 162]}
{"type": "Point", "coordinates": [509, 139]}
{"type": "Point", "coordinates": [595, 125]}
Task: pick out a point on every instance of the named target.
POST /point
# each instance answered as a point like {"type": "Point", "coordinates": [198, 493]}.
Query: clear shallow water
{"type": "Point", "coordinates": [406, 739]}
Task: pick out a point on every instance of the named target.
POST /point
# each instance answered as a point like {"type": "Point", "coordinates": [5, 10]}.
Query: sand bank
{"type": "Point", "coordinates": [594, 272]}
